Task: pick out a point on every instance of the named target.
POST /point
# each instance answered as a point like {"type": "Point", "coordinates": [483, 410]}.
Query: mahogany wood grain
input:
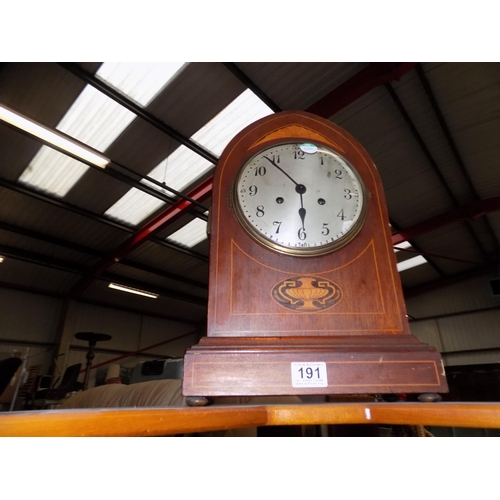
{"type": "Point", "coordinates": [172, 421]}
{"type": "Point", "coordinates": [252, 338]}
{"type": "Point", "coordinates": [243, 272]}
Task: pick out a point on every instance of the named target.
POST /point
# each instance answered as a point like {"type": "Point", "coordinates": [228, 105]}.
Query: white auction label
{"type": "Point", "coordinates": [309, 375]}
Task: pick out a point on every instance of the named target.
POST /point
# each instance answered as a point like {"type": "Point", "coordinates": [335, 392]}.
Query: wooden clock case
{"type": "Point", "coordinates": [255, 330]}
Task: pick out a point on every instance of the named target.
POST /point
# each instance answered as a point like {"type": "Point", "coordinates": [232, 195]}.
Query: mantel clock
{"type": "Point", "coordinates": [304, 294]}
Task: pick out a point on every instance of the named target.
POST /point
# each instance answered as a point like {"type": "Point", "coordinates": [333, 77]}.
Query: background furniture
{"type": "Point", "coordinates": [43, 397]}
{"type": "Point", "coordinates": [92, 338]}
{"type": "Point", "coordinates": [8, 368]}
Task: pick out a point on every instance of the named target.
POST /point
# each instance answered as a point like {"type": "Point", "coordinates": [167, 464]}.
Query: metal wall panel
{"type": "Point", "coordinates": [156, 330]}
{"type": "Point", "coordinates": [471, 331]}
{"type": "Point", "coordinates": [124, 327]}
{"type": "Point", "coordinates": [28, 317]}
{"type": "Point", "coordinates": [464, 296]}
{"type": "Point", "coordinates": [465, 337]}
{"type": "Point", "coordinates": [472, 358]}
{"type": "Point", "coordinates": [428, 332]}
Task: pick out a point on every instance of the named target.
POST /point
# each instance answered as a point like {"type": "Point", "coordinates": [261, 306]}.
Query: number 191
{"type": "Point", "coordinates": [309, 372]}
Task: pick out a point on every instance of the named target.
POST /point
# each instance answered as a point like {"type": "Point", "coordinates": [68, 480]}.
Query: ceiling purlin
{"type": "Point", "coordinates": [252, 86]}
{"type": "Point", "coordinates": [378, 74]}
{"type": "Point", "coordinates": [433, 163]}
{"type": "Point", "coordinates": [120, 176]}
{"type": "Point", "coordinates": [94, 302]}
{"type": "Point", "coordinates": [71, 267]}
{"type": "Point", "coordinates": [458, 157]}
{"type": "Point", "coordinates": [137, 110]}
{"type": "Point", "coordinates": [13, 186]}
{"type": "Point", "coordinates": [90, 251]}
{"type": "Point", "coordinates": [171, 214]}
{"type": "Point", "coordinates": [470, 211]}
{"type": "Point", "coordinates": [419, 250]}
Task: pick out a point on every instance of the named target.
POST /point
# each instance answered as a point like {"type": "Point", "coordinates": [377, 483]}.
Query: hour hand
{"type": "Point", "coordinates": [302, 214]}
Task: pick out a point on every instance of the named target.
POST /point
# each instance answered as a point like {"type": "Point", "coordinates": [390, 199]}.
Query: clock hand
{"type": "Point", "coordinates": [302, 213]}
{"type": "Point", "coordinates": [279, 168]}
{"type": "Point", "coordinates": [301, 189]}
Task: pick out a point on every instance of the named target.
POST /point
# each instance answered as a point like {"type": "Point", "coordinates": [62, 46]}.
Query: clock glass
{"type": "Point", "coordinates": [300, 198]}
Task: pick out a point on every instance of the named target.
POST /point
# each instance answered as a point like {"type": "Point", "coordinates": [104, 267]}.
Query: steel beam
{"type": "Point", "coordinates": [243, 78]}
{"type": "Point", "coordinates": [115, 174]}
{"type": "Point", "coordinates": [137, 109]}
{"type": "Point", "coordinates": [451, 280]}
{"type": "Point", "coordinates": [367, 79]}
{"type": "Point", "coordinates": [432, 163]}
{"type": "Point", "coordinates": [173, 213]}
{"type": "Point", "coordinates": [469, 211]}
{"type": "Point", "coordinates": [56, 202]}
{"type": "Point", "coordinates": [454, 148]}
{"type": "Point", "coordinates": [90, 251]}
{"type": "Point", "coordinates": [361, 83]}
{"type": "Point", "coordinates": [98, 303]}
{"type": "Point", "coordinates": [71, 267]}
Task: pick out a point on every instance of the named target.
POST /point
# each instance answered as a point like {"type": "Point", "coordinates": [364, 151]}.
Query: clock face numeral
{"type": "Point", "coordinates": [306, 203]}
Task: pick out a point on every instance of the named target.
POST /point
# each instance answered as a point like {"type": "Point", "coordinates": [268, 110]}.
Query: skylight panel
{"type": "Point", "coordinates": [139, 81]}
{"type": "Point", "coordinates": [97, 120]}
{"type": "Point", "coordinates": [243, 111]}
{"type": "Point", "coordinates": [191, 234]}
{"type": "Point", "coordinates": [402, 245]}
{"type": "Point", "coordinates": [177, 171]}
{"type": "Point", "coordinates": [183, 166]}
{"type": "Point", "coordinates": [134, 206]}
{"type": "Point", "coordinates": [413, 262]}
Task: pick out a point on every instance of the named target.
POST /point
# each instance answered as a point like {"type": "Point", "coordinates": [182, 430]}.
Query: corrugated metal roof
{"type": "Point", "coordinates": [468, 96]}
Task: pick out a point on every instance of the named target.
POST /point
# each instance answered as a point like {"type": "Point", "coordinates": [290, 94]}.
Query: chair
{"type": "Point", "coordinates": [44, 397]}
{"type": "Point", "coordinates": [8, 368]}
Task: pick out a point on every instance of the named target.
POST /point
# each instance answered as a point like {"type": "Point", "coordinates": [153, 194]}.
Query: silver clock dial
{"type": "Point", "coordinates": [300, 199]}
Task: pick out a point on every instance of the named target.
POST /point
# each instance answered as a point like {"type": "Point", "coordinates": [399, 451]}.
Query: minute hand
{"type": "Point", "coordinates": [299, 188]}
{"type": "Point", "coordinates": [279, 168]}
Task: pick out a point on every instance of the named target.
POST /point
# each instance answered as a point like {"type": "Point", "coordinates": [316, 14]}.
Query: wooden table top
{"type": "Point", "coordinates": [181, 420]}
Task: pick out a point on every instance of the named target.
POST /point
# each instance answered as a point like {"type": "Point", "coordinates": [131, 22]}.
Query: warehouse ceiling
{"type": "Point", "coordinates": [69, 227]}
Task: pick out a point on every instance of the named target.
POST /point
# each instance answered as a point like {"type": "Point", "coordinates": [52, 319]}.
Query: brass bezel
{"type": "Point", "coordinates": [299, 252]}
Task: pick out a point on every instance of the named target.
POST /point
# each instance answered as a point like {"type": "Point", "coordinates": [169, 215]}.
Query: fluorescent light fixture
{"type": "Point", "coordinates": [52, 137]}
{"type": "Point", "coordinates": [97, 120]}
{"type": "Point", "coordinates": [190, 234]}
{"type": "Point", "coordinates": [137, 291]}
{"type": "Point", "coordinates": [402, 245]}
{"type": "Point", "coordinates": [183, 166]}
{"type": "Point", "coordinates": [413, 262]}
{"type": "Point", "coordinates": [1, 259]}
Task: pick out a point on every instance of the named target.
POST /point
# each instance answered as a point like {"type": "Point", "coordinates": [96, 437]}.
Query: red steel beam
{"type": "Point", "coordinates": [469, 211]}
{"type": "Point", "coordinates": [171, 214]}
{"type": "Point", "coordinates": [361, 83]}
{"type": "Point", "coordinates": [368, 78]}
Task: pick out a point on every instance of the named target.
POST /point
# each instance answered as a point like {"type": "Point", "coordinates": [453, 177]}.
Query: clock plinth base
{"type": "Point", "coordinates": [374, 364]}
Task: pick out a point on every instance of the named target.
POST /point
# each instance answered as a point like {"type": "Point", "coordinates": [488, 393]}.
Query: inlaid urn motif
{"type": "Point", "coordinates": [306, 293]}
